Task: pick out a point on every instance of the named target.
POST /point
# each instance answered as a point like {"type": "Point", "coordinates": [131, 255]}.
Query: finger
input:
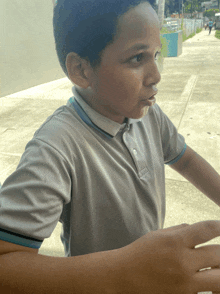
{"type": "Point", "coordinates": [208, 280]}
{"type": "Point", "coordinates": [207, 256]}
{"type": "Point", "coordinates": [176, 227]}
{"type": "Point", "coordinates": [200, 233]}
{"type": "Point", "coordinates": [218, 266]}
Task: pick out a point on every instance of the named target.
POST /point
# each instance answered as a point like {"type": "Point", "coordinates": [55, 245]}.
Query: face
{"type": "Point", "coordinates": [124, 84]}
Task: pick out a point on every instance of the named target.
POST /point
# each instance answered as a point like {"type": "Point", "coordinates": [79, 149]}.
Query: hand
{"type": "Point", "coordinates": [166, 261]}
{"type": "Point", "coordinates": [213, 267]}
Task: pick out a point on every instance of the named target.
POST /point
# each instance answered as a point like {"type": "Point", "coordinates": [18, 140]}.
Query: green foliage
{"type": "Point", "coordinates": [165, 31]}
{"type": "Point", "coordinates": [190, 36]}
{"type": "Point", "coordinates": [164, 49]}
{"type": "Point", "coordinates": [194, 5]}
{"type": "Point", "coordinates": [175, 6]}
{"type": "Point", "coordinates": [198, 30]}
{"type": "Point", "coordinates": [190, 6]}
{"type": "Point", "coordinates": [184, 38]}
{"type": "Point", "coordinates": [182, 25]}
{"type": "Point", "coordinates": [210, 13]}
{"type": "Point", "coordinates": [217, 34]}
{"type": "Point", "coordinates": [171, 6]}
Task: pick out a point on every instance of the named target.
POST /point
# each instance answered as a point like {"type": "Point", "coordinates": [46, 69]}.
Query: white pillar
{"type": "Point", "coordinates": [161, 7]}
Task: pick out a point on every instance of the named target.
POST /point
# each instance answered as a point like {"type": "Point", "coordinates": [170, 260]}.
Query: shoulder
{"type": "Point", "coordinates": [62, 116]}
{"type": "Point", "coordinates": [61, 122]}
{"type": "Point", "coordinates": [61, 130]}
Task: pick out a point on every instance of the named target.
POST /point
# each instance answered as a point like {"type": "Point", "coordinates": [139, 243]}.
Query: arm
{"type": "Point", "coordinates": [163, 261]}
{"type": "Point", "coordinates": [24, 271]}
{"type": "Point", "coordinates": [200, 173]}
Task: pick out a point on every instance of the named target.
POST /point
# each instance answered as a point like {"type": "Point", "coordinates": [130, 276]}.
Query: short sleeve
{"type": "Point", "coordinates": [32, 198]}
{"type": "Point", "coordinates": [173, 143]}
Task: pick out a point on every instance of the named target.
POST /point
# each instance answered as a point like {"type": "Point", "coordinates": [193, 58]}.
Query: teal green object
{"type": "Point", "coordinates": [174, 43]}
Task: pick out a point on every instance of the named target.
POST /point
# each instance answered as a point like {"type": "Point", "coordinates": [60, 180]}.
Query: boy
{"type": "Point", "coordinates": [97, 165]}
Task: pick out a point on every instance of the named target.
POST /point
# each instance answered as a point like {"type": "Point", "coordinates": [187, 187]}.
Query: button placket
{"type": "Point", "coordinates": [134, 151]}
{"type": "Point", "coordinates": [136, 155]}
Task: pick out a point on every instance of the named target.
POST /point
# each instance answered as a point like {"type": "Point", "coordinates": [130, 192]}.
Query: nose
{"type": "Point", "coordinates": [152, 74]}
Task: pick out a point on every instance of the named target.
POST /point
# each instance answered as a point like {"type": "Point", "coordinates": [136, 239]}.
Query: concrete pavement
{"type": "Point", "coordinates": [189, 93]}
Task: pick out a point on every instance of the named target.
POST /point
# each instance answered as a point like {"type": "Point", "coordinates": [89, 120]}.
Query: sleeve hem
{"type": "Point", "coordinates": [178, 157]}
{"type": "Point", "coordinates": [19, 240]}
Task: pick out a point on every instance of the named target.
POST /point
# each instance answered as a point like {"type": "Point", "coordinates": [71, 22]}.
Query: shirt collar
{"type": "Point", "coordinates": [102, 122]}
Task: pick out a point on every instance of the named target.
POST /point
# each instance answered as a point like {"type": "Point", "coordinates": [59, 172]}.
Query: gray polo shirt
{"type": "Point", "coordinates": [104, 181]}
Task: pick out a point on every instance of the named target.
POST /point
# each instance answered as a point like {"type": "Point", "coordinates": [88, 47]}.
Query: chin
{"type": "Point", "coordinates": [143, 112]}
{"type": "Point", "coordinates": [139, 114]}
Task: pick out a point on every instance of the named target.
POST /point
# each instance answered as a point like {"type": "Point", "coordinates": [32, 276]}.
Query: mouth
{"type": "Point", "coordinates": [150, 101]}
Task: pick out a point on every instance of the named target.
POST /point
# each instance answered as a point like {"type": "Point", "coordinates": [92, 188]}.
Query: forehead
{"type": "Point", "coordinates": [140, 22]}
{"type": "Point", "coordinates": [140, 25]}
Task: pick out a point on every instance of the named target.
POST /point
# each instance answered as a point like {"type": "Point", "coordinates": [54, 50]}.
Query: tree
{"type": "Point", "coordinates": [210, 13]}
{"type": "Point", "coordinates": [173, 6]}
{"type": "Point", "coordinates": [193, 5]}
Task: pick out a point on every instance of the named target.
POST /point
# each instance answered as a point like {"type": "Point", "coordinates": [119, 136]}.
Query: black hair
{"type": "Point", "coordinates": [86, 27]}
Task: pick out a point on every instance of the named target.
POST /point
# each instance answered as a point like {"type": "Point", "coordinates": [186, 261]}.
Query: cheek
{"type": "Point", "coordinates": [120, 82]}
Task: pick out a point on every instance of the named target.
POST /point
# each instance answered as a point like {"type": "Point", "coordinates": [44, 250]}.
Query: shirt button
{"type": "Point", "coordinates": [135, 151]}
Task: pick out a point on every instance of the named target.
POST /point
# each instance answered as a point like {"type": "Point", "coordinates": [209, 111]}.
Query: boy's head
{"type": "Point", "coordinates": [111, 60]}
{"type": "Point", "coordinates": [86, 27]}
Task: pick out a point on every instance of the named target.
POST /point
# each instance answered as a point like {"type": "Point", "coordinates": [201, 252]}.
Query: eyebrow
{"type": "Point", "coordinates": [139, 47]}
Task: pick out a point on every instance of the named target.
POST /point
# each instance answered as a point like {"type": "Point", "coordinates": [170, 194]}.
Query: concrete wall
{"type": "Point", "coordinates": [27, 45]}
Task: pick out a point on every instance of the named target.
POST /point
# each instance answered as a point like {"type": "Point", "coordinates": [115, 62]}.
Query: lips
{"type": "Point", "coordinates": [151, 100]}
{"type": "Point", "coordinates": [154, 93]}
{"type": "Point", "coordinates": [152, 97]}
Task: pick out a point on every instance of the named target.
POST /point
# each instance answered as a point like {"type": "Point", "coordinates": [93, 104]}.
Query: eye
{"type": "Point", "coordinates": [137, 58]}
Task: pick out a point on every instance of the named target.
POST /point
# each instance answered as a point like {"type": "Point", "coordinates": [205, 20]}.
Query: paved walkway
{"type": "Point", "coordinates": [189, 93]}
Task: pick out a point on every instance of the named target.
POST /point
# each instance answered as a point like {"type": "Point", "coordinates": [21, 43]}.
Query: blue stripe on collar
{"type": "Point", "coordinates": [85, 117]}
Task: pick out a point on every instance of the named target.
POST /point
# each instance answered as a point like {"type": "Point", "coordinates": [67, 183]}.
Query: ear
{"type": "Point", "coordinates": [78, 70]}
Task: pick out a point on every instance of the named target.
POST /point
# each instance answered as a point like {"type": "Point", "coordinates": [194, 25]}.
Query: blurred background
{"type": "Point", "coordinates": [28, 49]}
{"type": "Point", "coordinates": [27, 44]}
